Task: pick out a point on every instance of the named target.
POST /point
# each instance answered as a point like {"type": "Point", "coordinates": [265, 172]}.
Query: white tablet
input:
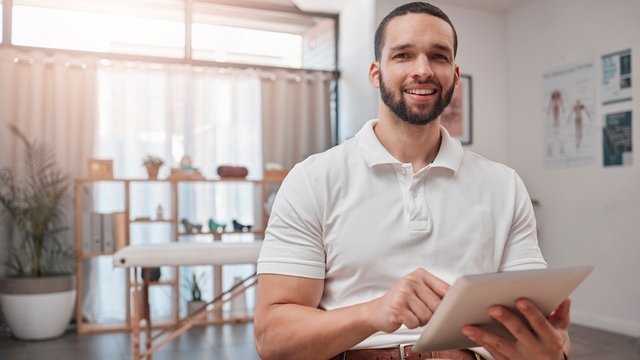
{"type": "Point", "coordinates": [468, 300]}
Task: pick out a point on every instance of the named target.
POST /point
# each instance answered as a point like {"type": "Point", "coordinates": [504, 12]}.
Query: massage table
{"type": "Point", "coordinates": [153, 256]}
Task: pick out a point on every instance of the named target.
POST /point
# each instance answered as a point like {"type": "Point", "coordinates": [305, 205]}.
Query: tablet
{"type": "Point", "coordinates": [468, 300]}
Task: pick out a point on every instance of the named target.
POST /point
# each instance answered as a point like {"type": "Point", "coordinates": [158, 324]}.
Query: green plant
{"type": "Point", "coordinates": [33, 198]}
{"type": "Point", "coordinates": [152, 160]}
{"type": "Point", "coordinates": [194, 287]}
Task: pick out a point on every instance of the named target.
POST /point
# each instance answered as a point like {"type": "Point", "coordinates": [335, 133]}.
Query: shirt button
{"type": "Point", "coordinates": [413, 194]}
{"type": "Point", "coordinates": [403, 172]}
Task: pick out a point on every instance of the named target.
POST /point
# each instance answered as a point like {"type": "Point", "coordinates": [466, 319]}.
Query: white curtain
{"type": "Point", "coordinates": [52, 99]}
{"type": "Point", "coordinates": [296, 115]}
{"type": "Point", "coordinates": [213, 115]}
{"type": "Point", "coordinates": [85, 108]}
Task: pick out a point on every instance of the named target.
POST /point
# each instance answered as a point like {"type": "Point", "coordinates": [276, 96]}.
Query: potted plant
{"type": "Point", "coordinates": [153, 164]}
{"type": "Point", "coordinates": [38, 295]}
{"type": "Point", "coordinates": [194, 287]}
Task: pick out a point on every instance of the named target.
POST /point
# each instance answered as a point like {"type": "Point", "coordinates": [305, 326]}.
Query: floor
{"type": "Point", "coordinates": [235, 342]}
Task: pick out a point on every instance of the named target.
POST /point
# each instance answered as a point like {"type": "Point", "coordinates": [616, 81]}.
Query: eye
{"type": "Point", "coordinates": [440, 57]}
{"type": "Point", "coordinates": [401, 56]}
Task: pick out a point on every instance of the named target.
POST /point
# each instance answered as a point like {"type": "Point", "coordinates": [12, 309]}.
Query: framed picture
{"type": "Point", "coordinates": [457, 117]}
{"type": "Point", "coordinates": [100, 169]}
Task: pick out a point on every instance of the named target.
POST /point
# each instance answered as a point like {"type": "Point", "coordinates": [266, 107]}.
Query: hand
{"type": "Point", "coordinates": [542, 339]}
{"type": "Point", "coordinates": [411, 302]}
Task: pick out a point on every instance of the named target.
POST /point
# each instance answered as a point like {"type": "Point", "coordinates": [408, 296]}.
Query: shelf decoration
{"type": "Point", "coordinates": [229, 171]}
{"type": "Point", "coordinates": [153, 164]}
{"type": "Point", "coordinates": [240, 227]}
{"type": "Point", "coordinates": [186, 171]}
{"type": "Point", "coordinates": [190, 227]}
{"type": "Point", "coordinates": [215, 227]}
{"type": "Point", "coordinates": [274, 171]}
{"type": "Point", "coordinates": [100, 169]}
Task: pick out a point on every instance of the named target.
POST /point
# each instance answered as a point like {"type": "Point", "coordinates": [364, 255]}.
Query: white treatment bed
{"type": "Point", "coordinates": [135, 257]}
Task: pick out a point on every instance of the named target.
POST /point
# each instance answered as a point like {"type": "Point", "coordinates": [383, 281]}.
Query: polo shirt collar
{"type": "Point", "coordinates": [449, 155]}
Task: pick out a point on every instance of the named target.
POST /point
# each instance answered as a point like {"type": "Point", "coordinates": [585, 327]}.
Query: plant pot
{"type": "Point", "coordinates": [38, 308]}
{"type": "Point", "coordinates": [193, 306]}
{"type": "Point", "coordinates": [152, 171]}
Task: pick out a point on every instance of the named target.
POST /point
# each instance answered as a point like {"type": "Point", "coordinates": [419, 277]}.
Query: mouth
{"type": "Point", "coordinates": [420, 92]}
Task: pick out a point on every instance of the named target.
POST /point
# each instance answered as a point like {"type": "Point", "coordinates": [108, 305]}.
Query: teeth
{"type": "Point", "coordinates": [420, 91]}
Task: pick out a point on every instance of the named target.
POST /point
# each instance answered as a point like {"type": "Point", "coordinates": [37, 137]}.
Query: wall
{"type": "Point", "coordinates": [588, 214]}
{"type": "Point", "coordinates": [319, 46]}
{"type": "Point", "coordinates": [357, 99]}
{"type": "Point", "coordinates": [481, 45]}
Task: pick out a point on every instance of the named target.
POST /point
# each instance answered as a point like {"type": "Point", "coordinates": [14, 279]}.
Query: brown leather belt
{"type": "Point", "coordinates": [404, 353]}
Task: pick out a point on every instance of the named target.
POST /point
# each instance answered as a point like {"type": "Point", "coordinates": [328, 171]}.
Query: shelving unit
{"type": "Point", "coordinates": [171, 217]}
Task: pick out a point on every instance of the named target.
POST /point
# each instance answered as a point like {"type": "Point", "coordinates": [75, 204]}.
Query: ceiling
{"type": "Point", "coordinates": [334, 6]}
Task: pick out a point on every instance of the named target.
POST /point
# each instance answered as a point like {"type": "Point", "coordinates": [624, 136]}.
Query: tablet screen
{"type": "Point", "coordinates": [468, 300]}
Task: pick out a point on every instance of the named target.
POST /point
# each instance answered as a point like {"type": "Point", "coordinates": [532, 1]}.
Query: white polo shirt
{"type": "Point", "coordinates": [361, 220]}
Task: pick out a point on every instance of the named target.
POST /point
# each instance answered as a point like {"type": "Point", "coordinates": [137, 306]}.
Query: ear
{"type": "Point", "coordinates": [374, 74]}
{"type": "Point", "coordinates": [456, 75]}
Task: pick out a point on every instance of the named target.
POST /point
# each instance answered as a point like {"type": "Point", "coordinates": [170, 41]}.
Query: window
{"type": "Point", "coordinates": [140, 27]}
{"type": "Point", "coordinates": [234, 34]}
{"type": "Point", "coordinates": [221, 33]}
{"type": "Point", "coordinates": [246, 46]}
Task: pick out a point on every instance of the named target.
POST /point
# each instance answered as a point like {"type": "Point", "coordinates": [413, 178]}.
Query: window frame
{"type": "Point", "coordinates": [187, 58]}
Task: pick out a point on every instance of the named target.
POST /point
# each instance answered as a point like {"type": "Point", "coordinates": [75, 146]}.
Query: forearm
{"type": "Point", "coordinates": [290, 331]}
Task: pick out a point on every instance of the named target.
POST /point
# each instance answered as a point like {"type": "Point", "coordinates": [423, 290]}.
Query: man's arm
{"type": "Point", "coordinates": [289, 325]}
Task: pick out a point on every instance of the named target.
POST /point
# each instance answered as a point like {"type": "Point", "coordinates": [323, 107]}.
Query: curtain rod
{"type": "Point", "coordinates": [156, 59]}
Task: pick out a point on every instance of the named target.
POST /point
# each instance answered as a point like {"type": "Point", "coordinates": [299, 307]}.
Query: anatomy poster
{"type": "Point", "coordinates": [568, 107]}
{"type": "Point", "coordinates": [617, 143]}
{"type": "Point", "coordinates": [616, 77]}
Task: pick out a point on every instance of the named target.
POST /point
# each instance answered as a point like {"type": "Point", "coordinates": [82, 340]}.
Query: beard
{"type": "Point", "coordinates": [418, 116]}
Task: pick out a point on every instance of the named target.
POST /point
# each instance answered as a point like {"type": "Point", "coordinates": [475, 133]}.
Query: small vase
{"type": "Point", "coordinates": [152, 171]}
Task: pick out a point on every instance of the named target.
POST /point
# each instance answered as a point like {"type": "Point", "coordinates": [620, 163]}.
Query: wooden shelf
{"type": "Point", "coordinates": [152, 221]}
{"type": "Point", "coordinates": [217, 233]}
{"type": "Point", "coordinates": [206, 180]}
{"type": "Point", "coordinates": [94, 255]}
{"type": "Point", "coordinates": [261, 188]}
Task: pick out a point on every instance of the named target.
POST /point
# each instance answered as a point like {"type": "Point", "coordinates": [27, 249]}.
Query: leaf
{"type": "Point", "coordinates": [34, 198]}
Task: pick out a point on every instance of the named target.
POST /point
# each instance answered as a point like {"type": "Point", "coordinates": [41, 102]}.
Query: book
{"type": "Point", "coordinates": [96, 233]}
{"type": "Point", "coordinates": [108, 231]}
{"type": "Point", "coordinates": [120, 231]}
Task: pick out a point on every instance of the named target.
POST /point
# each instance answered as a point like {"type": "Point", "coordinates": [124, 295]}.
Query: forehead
{"type": "Point", "coordinates": [417, 30]}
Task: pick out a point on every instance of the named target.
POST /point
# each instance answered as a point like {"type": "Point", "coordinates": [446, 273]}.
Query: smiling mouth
{"type": "Point", "coordinates": [422, 92]}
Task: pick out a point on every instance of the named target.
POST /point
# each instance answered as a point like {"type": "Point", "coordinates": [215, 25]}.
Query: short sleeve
{"type": "Point", "coordinates": [293, 243]}
{"type": "Point", "coordinates": [522, 251]}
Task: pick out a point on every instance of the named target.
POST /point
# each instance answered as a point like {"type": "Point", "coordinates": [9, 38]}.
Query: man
{"type": "Point", "coordinates": [365, 238]}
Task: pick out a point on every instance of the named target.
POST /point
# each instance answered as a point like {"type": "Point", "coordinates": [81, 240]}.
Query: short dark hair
{"type": "Point", "coordinates": [413, 8]}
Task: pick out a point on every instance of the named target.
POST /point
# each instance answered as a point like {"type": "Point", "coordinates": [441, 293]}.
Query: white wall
{"type": "Point", "coordinates": [357, 99]}
{"type": "Point", "coordinates": [480, 54]}
{"type": "Point", "coordinates": [589, 214]}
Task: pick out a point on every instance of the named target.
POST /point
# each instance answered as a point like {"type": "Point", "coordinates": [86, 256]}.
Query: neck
{"type": "Point", "coordinates": [415, 144]}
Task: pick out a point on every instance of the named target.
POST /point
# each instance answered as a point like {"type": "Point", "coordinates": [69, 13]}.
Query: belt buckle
{"type": "Point", "coordinates": [403, 355]}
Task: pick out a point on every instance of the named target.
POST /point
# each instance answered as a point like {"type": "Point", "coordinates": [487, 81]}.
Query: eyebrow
{"type": "Point", "coordinates": [437, 46]}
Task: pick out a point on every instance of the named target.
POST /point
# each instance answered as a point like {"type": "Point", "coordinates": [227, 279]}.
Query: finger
{"type": "Point", "coordinates": [428, 297]}
{"type": "Point", "coordinates": [538, 321]}
{"type": "Point", "coordinates": [495, 353]}
{"type": "Point", "coordinates": [436, 284]}
{"type": "Point", "coordinates": [410, 319]}
{"type": "Point", "coordinates": [498, 346]}
{"type": "Point", "coordinates": [419, 311]}
{"type": "Point", "coordinates": [515, 325]}
{"type": "Point", "coordinates": [560, 317]}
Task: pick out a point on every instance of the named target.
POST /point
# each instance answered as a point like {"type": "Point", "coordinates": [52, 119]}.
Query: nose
{"type": "Point", "coordinates": [422, 69]}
